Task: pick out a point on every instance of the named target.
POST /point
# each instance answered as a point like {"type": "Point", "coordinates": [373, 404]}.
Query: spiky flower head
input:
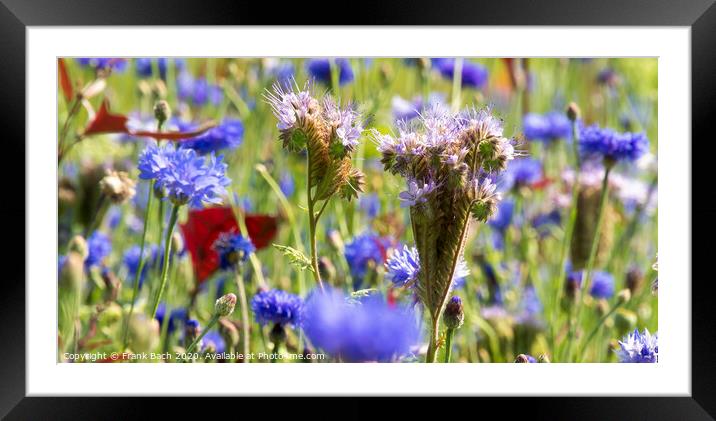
{"type": "Point", "coordinates": [449, 161]}
{"type": "Point", "coordinates": [454, 315]}
{"type": "Point", "coordinates": [327, 132]}
{"type": "Point", "coordinates": [277, 306]}
{"type": "Point", "coordinates": [639, 347]}
{"type": "Point", "coordinates": [225, 305]}
{"type": "Point", "coordinates": [610, 146]}
{"type": "Point", "coordinates": [183, 176]}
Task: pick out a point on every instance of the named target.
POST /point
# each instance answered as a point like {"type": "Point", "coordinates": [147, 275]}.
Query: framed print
{"type": "Point", "coordinates": [245, 211]}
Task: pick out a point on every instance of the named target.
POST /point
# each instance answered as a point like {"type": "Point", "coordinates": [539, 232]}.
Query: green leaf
{"type": "Point", "coordinates": [297, 258]}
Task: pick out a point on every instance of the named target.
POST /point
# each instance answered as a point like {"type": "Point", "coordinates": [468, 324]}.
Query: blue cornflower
{"type": "Point", "coordinates": [205, 92]}
{"type": "Point", "coordinates": [233, 249]}
{"type": "Point", "coordinates": [602, 283]}
{"type": "Point", "coordinates": [277, 306]}
{"type": "Point", "coordinates": [284, 72]}
{"type": "Point", "coordinates": [286, 184]}
{"type": "Point", "coordinates": [639, 347]}
{"type": "Point", "coordinates": [522, 172]}
{"type": "Point", "coordinates": [184, 176]}
{"type": "Point", "coordinates": [595, 142]}
{"type": "Point", "coordinates": [145, 66]}
{"type": "Point", "coordinates": [213, 339]}
{"type": "Point", "coordinates": [474, 75]}
{"type": "Point", "coordinates": [228, 135]}
{"type": "Point", "coordinates": [367, 330]}
{"type": "Point", "coordinates": [116, 64]}
{"type": "Point", "coordinates": [370, 204]}
{"type": "Point", "coordinates": [363, 250]}
{"type": "Point", "coordinates": [545, 221]}
{"type": "Point", "coordinates": [546, 128]}
{"type": "Point", "coordinates": [131, 261]}
{"type": "Point", "coordinates": [99, 246]}
{"type": "Point", "coordinates": [403, 267]}
{"type": "Point", "coordinates": [177, 317]}
{"type": "Point", "coordinates": [320, 69]}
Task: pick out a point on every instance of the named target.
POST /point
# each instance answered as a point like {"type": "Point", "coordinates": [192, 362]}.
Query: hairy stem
{"type": "Point", "coordinates": [165, 265]}
{"type": "Point", "coordinates": [244, 311]}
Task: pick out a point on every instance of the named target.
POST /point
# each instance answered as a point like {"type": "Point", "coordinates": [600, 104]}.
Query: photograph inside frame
{"type": "Point", "coordinates": [328, 210]}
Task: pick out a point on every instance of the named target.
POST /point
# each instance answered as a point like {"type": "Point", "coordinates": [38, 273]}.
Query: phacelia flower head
{"type": "Point", "coordinates": [639, 348]}
{"type": "Point", "coordinates": [184, 176]}
{"type": "Point", "coordinates": [320, 70]}
{"type": "Point", "coordinates": [99, 246]}
{"type": "Point", "coordinates": [363, 251]}
{"type": "Point", "coordinates": [228, 135]}
{"type": "Point", "coordinates": [546, 128]}
{"type": "Point", "coordinates": [345, 123]}
{"type": "Point", "coordinates": [233, 249]}
{"type": "Point", "coordinates": [359, 331]}
{"type": "Point", "coordinates": [277, 306]}
{"type": "Point", "coordinates": [611, 146]}
{"type": "Point", "coordinates": [416, 193]}
{"type": "Point", "coordinates": [474, 75]}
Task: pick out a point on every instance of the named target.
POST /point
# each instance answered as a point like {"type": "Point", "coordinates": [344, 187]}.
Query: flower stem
{"type": "Point", "coordinates": [457, 84]}
{"type": "Point", "coordinates": [568, 232]}
{"type": "Point", "coordinates": [585, 284]}
{"type": "Point", "coordinates": [244, 311]}
{"type": "Point", "coordinates": [209, 325]}
{"type": "Point", "coordinates": [140, 266]}
{"type": "Point", "coordinates": [165, 265]}
{"type": "Point", "coordinates": [433, 345]}
{"type": "Point", "coordinates": [599, 326]}
{"type": "Point", "coordinates": [448, 344]}
{"type": "Point", "coordinates": [312, 222]}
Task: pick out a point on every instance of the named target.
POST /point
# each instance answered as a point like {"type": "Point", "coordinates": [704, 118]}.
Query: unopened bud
{"type": "Point", "coordinates": [117, 186]}
{"type": "Point", "coordinates": [225, 305]}
{"type": "Point", "coordinates": [143, 333]}
{"type": "Point", "coordinates": [79, 245]}
{"type": "Point", "coordinates": [454, 315]}
{"type": "Point", "coordinates": [634, 280]}
{"type": "Point", "coordinates": [278, 334]}
{"type": "Point", "coordinates": [624, 296]}
{"type": "Point", "coordinates": [573, 111]}
{"type": "Point", "coordinates": [524, 358]}
{"type": "Point", "coordinates": [162, 111]}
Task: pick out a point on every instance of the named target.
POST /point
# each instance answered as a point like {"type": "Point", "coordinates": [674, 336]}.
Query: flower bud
{"type": "Point", "coordinates": [634, 280]}
{"type": "Point", "coordinates": [454, 315]}
{"type": "Point", "coordinates": [625, 320]}
{"type": "Point", "coordinates": [278, 334]}
{"type": "Point", "coordinates": [524, 358]}
{"type": "Point", "coordinates": [162, 111]}
{"type": "Point", "coordinates": [573, 111]}
{"type": "Point", "coordinates": [624, 296]}
{"type": "Point", "coordinates": [79, 245]}
{"type": "Point", "coordinates": [143, 333]}
{"type": "Point", "coordinates": [225, 305]}
{"type": "Point", "coordinates": [117, 186]}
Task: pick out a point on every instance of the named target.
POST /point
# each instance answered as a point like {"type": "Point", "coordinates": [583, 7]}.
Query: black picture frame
{"type": "Point", "coordinates": [699, 15]}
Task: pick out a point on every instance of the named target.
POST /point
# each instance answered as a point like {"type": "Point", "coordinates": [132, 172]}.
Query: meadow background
{"type": "Point", "coordinates": [515, 301]}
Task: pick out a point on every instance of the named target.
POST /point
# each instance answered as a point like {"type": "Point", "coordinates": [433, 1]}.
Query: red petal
{"type": "Point", "coordinates": [65, 82]}
{"type": "Point", "coordinates": [175, 135]}
{"type": "Point", "coordinates": [104, 122]}
{"type": "Point", "coordinates": [204, 226]}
